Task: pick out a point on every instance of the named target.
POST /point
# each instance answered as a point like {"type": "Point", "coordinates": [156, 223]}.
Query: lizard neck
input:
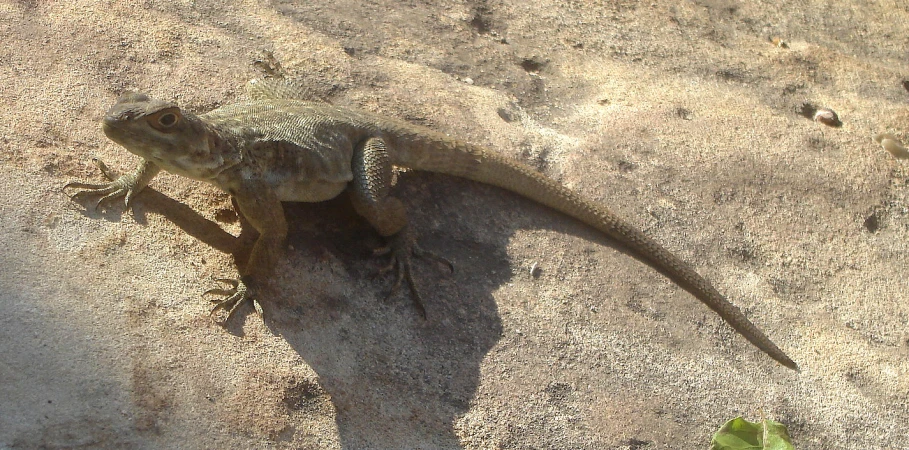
{"type": "Point", "coordinates": [220, 151]}
{"type": "Point", "coordinates": [226, 147]}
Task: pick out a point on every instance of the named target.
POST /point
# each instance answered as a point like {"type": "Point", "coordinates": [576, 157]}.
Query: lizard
{"type": "Point", "coordinates": [273, 147]}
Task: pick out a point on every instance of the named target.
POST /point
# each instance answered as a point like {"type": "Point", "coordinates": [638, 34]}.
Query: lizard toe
{"type": "Point", "coordinates": [425, 254]}
{"type": "Point", "coordinates": [400, 250]}
{"type": "Point", "coordinates": [238, 294]}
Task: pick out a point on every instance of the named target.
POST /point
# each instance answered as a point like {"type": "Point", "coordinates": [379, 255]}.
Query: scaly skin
{"type": "Point", "coordinates": [273, 149]}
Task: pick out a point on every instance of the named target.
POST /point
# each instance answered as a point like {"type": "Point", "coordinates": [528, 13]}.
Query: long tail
{"type": "Point", "coordinates": [422, 149]}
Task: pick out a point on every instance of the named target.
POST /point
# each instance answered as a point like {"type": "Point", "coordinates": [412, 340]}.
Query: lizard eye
{"type": "Point", "coordinates": [164, 120]}
{"type": "Point", "coordinates": [167, 120]}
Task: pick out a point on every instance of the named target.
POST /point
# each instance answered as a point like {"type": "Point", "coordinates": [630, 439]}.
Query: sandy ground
{"type": "Point", "coordinates": [684, 117]}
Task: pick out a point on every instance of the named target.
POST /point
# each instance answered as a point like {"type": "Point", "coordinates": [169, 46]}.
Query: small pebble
{"type": "Point", "coordinates": [892, 145]}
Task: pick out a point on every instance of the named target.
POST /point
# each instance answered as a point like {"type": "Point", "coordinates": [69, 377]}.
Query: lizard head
{"type": "Point", "coordinates": [160, 132]}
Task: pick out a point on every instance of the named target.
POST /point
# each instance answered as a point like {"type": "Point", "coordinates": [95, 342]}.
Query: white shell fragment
{"type": "Point", "coordinates": [827, 117]}
{"type": "Point", "coordinates": [535, 270]}
{"type": "Point", "coordinates": [892, 145]}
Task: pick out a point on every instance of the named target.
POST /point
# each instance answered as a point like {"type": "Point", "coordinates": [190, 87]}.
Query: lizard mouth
{"type": "Point", "coordinates": [109, 127]}
{"type": "Point", "coordinates": [136, 143]}
{"type": "Point", "coordinates": [115, 131]}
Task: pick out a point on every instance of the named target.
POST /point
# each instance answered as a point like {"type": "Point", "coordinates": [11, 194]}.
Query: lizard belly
{"type": "Point", "coordinates": [305, 171]}
{"type": "Point", "coordinates": [308, 190]}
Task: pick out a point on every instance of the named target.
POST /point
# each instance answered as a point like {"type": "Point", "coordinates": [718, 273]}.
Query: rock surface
{"type": "Point", "coordinates": [685, 117]}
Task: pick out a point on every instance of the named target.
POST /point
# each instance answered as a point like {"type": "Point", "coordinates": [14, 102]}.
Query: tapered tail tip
{"type": "Point", "coordinates": [784, 360]}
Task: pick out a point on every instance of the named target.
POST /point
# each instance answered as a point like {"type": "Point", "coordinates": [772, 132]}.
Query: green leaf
{"type": "Point", "coordinates": [740, 434]}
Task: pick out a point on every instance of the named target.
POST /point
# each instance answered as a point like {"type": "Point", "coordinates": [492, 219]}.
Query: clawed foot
{"type": "Point", "coordinates": [400, 249]}
{"type": "Point", "coordinates": [123, 186]}
{"type": "Point", "coordinates": [236, 295]}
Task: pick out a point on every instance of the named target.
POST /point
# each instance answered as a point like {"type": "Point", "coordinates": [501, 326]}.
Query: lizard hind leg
{"type": "Point", "coordinates": [369, 190]}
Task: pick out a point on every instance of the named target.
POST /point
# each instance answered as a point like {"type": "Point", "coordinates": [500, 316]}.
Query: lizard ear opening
{"type": "Point", "coordinates": [165, 120]}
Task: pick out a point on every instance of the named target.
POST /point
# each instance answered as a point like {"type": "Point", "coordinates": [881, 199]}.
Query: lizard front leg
{"type": "Point", "coordinates": [262, 209]}
{"type": "Point", "coordinates": [372, 171]}
{"type": "Point", "coordinates": [126, 186]}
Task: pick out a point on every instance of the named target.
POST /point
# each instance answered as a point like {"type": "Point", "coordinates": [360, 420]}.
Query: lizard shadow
{"type": "Point", "coordinates": [181, 215]}
{"type": "Point", "coordinates": [395, 379]}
